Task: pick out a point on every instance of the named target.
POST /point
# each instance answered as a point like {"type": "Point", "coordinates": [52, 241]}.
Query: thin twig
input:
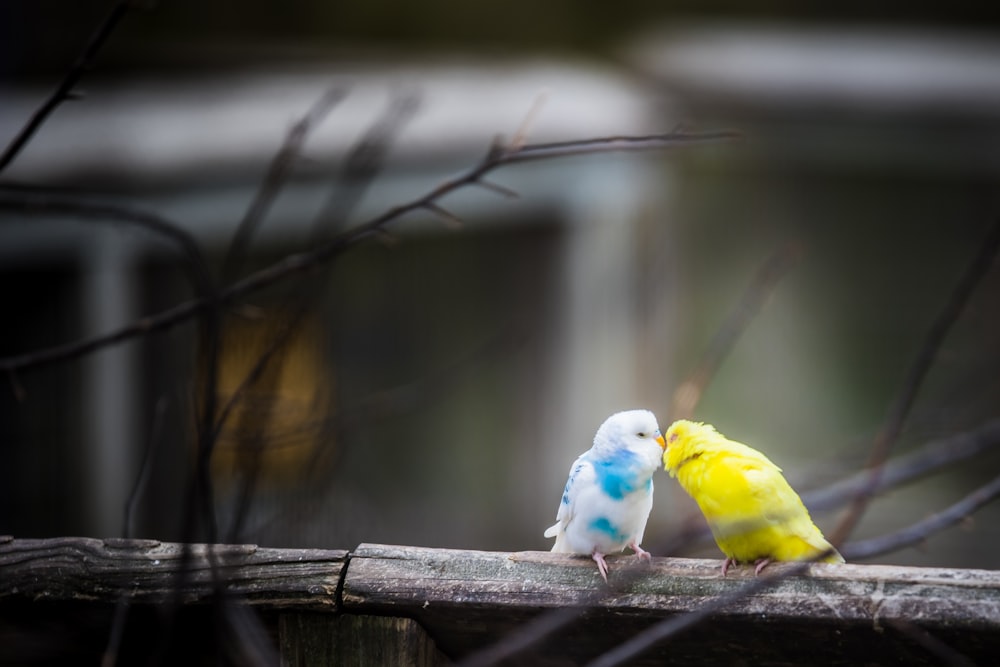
{"type": "Point", "coordinates": [449, 218]}
{"type": "Point", "coordinates": [64, 90]}
{"type": "Point", "coordinates": [497, 188]}
{"type": "Point", "coordinates": [254, 374]}
{"type": "Point", "coordinates": [520, 137]}
{"type": "Point", "coordinates": [277, 175]}
{"type": "Point", "coordinates": [528, 634]}
{"type": "Point", "coordinates": [252, 470]}
{"type": "Point", "coordinates": [305, 261]}
{"type": "Point", "coordinates": [145, 468]}
{"type": "Point", "coordinates": [947, 654]}
{"type": "Point", "coordinates": [117, 633]}
{"type": "Point", "coordinates": [617, 143]}
{"type": "Point", "coordinates": [688, 394]}
{"type": "Point", "coordinates": [111, 652]}
{"type": "Point", "coordinates": [206, 296]}
{"type": "Point", "coordinates": [900, 409]}
{"type": "Point", "coordinates": [40, 203]}
{"type": "Point", "coordinates": [673, 626]}
{"type": "Point", "coordinates": [551, 621]}
{"type": "Point", "coordinates": [930, 458]}
{"type": "Point", "coordinates": [921, 530]}
{"type": "Point", "coordinates": [364, 162]}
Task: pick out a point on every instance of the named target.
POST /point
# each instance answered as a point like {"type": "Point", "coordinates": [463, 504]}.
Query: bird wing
{"type": "Point", "coordinates": [773, 498]}
{"type": "Point", "coordinates": [741, 490]}
{"type": "Point", "coordinates": [580, 476]}
{"type": "Point", "coordinates": [735, 483]}
{"type": "Point", "coordinates": [780, 507]}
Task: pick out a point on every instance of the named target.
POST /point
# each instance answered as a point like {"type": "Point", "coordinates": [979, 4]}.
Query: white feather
{"type": "Point", "coordinates": [609, 494]}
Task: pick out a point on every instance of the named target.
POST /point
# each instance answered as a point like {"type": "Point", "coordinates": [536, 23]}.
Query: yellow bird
{"type": "Point", "coordinates": [754, 514]}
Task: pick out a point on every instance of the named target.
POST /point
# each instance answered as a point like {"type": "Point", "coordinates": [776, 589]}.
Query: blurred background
{"type": "Point", "coordinates": [433, 387]}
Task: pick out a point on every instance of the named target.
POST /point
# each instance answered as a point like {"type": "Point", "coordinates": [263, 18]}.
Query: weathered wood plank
{"type": "Point", "coordinates": [147, 571]}
{"type": "Point", "coordinates": [348, 640]}
{"type": "Point", "coordinates": [468, 599]}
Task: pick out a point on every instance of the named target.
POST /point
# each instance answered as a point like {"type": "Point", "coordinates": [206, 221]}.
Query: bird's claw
{"type": "Point", "coordinates": [602, 565]}
{"type": "Point", "coordinates": [759, 565]}
{"type": "Point", "coordinates": [640, 552]}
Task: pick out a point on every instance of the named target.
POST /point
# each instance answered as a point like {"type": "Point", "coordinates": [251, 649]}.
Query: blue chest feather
{"type": "Point", "coordinates": [620, 475]}
{"type": "Point", "coordinates": [604, 525]}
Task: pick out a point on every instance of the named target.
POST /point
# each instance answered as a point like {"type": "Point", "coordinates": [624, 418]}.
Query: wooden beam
{"type": "Point", "coordinates": [147, 571]}
{"type": "Point", "coordinates": [547, 608]}
{"type": "Point", "coordinates": [834, 614]}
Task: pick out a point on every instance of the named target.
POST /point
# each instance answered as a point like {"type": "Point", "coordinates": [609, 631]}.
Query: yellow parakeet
{"type": "Point", "coordinates": [754, 514]}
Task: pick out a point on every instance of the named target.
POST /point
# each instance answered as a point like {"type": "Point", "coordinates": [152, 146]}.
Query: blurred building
{"type": "Point", "coordinates": [438, 382]}
{"type": "Point", "coordinates": [430, 365]}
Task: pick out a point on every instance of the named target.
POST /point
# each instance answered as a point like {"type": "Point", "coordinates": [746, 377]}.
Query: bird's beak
{"type": "Point", "coordinates": [661, 442]}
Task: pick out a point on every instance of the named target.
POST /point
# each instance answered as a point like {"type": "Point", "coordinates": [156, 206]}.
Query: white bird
{"type": "Point", "coordinates": [609, 493]}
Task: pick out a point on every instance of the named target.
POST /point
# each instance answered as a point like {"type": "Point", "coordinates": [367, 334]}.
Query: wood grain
{"type": "Point", "coordinates": [381, 603]}
{"type": "Point", "coordinates": [148, 571]}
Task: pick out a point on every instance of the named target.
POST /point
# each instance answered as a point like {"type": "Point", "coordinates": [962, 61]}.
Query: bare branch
{"type": "Point", "coordinates": [200, 276]}
{"type": "Point", "coordinates": [276, 177]}
{"type": "Point", "coordinates": [674, 625]}
{"type": "Point", "coordinates": [921, 530]}
{"type": "Point", "coordinates": [497, 188]}
{"type": "Point", "coordinates": [688, 394]}
{"type": "Point", "coordinates": [931, 458]}
{"type": "Point", "coordinates": [117, 633]}
{"type": "Point", "coordinates": [450, 219]}
{"type": "Point", "coordinates": [206, 297]}
{"type": "Point", "coordinates": [40, 203]}
{"type": "Point", "coordinates": [550, 621]}
{"type": "Point", "coordinates": [495, 158]}
{"type": "Point", "coordinates": [64, 91]}
{"type": "Point", "coordinates": [614, 143]}
{"type": "Point", "coordinates": [921, 365]}
{"type": "Point", "coordinates": [520, 137]}
{"type": "Point", "coordinates": [363, 164]}
{"type": "Point", "coordinates": [118, 622]}
{"type": "Point", "coordinates": [524, 637]}
{"type": "Point", "coordinates": [145, 468]}
{"type": "Point", "coordinates": [947, 654]}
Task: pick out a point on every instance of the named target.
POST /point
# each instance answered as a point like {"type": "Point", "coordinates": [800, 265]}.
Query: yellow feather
{"type": "Point", "coordinates": [753, 512]}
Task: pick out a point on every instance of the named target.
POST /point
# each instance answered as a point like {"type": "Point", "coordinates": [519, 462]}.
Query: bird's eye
{"type": "Point", "coordinates": [641, 434]}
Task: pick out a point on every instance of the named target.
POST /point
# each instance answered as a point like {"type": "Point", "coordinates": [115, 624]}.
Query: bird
{"type": "Point", "coordinates": [609, 493]}
{"type": "Point", "coordinates": [754, 514]}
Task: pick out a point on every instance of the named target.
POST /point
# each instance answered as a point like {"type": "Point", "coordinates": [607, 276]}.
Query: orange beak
{"type": "Point", "coordinates": [661, 442]}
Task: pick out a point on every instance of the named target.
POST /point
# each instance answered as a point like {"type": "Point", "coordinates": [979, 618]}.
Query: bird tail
{"type": "Point", "coordinates": [834, 556]}
{"type": "Point", "coordinates": [796, 547]}
{"type": "Point", "coordinates": [557, 532]}
{"type": "Point", "coordinates": [822, 546]}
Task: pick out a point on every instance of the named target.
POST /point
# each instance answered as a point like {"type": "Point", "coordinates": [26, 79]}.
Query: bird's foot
{"type": "Point", "coordinates": [602, 565]}
{"type": "Point", "coordinates": [726, 563]}
{"type": "Point", "coordinates": [640, 552]}
{"type": "Point", "coordinates": [760, 564]}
